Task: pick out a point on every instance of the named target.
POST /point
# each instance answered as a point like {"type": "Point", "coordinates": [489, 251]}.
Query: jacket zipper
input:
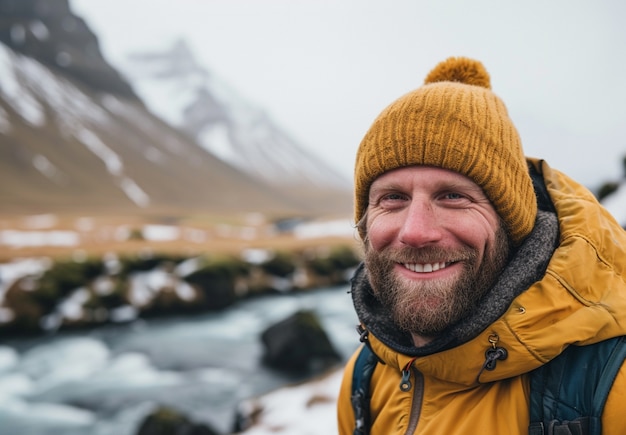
{"type": "Point", "coordinates": [418, 394]}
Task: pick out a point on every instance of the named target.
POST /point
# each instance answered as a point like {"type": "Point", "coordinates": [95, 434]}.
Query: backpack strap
{"type": "Point", "coordinates": [567, 395]}
{"type": "Point", "coordinates": [361, 376]}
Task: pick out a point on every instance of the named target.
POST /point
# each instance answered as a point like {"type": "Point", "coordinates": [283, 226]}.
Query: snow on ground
{"type": "Point", "coordinates": [311, 230]}
{"type": "Point", "coordinates": [306, 409]}
{"type": "Point", "coordinates": [13, 270]}
{"type": "Point", "coordinates": [21, 239]}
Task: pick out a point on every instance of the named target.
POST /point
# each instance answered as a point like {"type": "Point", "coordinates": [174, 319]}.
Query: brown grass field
{"type": "Point", "coordinates": [98, 235]}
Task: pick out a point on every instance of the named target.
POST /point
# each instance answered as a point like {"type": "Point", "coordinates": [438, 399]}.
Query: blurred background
{"type": "Point", "coordinates": [176, 238]}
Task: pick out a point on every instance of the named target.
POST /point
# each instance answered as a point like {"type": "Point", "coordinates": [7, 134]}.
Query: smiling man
{"type": "Point", "coordinates": [435, 246]}
{"type": "Point", "coordinates": [483, 271]}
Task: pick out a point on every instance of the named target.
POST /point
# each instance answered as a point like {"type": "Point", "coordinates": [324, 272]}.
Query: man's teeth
{"type": "Point", "coordinates": [429, 267]}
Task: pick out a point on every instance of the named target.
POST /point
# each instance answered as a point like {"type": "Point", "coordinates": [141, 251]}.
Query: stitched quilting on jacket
{"type": "Point", "coordinates": [564, 287]}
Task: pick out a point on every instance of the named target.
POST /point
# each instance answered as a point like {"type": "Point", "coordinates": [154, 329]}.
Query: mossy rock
{"type": "Point", "coordinates": [334, 265]}
{"type": "Point", "coordinates": [144, 263]}
{"type": "Point", "coordinates": [168, 421]}
{"type": "Point", "coordinates": [215, 280]}
{"type": "Point", "coordinates": [299, 345]}
{"type": "Point", "coordinates": [65, 276]}
{"type": "Point", "coordinates": [282, 264]}
{"type": "Point", "coordinates": [26, 308]}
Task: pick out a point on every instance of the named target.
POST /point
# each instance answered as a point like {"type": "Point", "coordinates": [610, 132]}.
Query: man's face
{"type": "Point", "coordinates": [434, 246]}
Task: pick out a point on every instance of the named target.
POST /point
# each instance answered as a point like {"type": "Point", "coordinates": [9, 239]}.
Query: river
{"type": "Point", "coordinates": [105, 380]}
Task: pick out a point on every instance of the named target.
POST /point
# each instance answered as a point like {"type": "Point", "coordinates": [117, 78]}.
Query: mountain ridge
{"type": "Point", "coordinates": [78, 138]}
{"type": "Point", "coordinates": [221, 121]}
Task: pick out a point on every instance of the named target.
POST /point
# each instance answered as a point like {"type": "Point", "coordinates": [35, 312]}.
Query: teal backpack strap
{"type": "Point", "coordinates": [361, 376]}
{"type": "Point", "coordinates": [568, 394]}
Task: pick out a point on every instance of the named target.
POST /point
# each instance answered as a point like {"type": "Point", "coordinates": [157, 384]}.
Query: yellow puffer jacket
{"type": "Point", "coordinates": [579, 300]}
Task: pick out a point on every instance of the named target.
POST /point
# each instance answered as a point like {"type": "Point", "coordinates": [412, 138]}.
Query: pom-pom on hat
{"type": "Point", "coordinates": [454, 121]}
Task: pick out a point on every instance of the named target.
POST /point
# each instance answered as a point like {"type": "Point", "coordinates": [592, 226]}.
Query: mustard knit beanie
{"type": "Point", "coordinates": [455, 122]}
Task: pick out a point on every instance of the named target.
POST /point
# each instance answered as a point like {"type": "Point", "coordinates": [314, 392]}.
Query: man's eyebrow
{"type": "Point", "coordinates": [390, 186]}
{"type": "Point", "coordinates": [457, 184]}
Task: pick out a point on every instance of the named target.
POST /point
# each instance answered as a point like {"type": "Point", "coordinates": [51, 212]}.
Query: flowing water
{"type": "Point", "coordinates": [104, 381]}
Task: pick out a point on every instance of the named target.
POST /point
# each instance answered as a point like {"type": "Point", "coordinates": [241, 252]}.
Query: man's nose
{"type": "Point", "coordinates": [421, 227]}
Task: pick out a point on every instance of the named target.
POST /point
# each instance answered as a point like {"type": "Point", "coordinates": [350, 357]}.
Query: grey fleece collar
{"type": "Point", "coordinates": [527, 266]}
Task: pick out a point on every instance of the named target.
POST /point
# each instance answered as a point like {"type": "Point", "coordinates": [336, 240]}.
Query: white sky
{"type": "Point", "coordinates": [324, 69]}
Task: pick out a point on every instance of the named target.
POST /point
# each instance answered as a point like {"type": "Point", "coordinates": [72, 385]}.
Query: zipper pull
{"type": "Point", "coordinates": [494, 353]}
{"type": "Point", "coordinates": [492, 356]}
{"type": "Point", "coordinates": [405, 382]}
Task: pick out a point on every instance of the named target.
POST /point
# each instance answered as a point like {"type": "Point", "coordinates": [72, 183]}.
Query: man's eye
{"type": "Point", "coordinates": [393, 197]}
{"type": "Point", "coordinates": [453, 195]}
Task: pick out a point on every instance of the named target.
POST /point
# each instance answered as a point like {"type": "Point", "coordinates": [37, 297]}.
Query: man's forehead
{"type": "Point", "coordinates": [424, 173]}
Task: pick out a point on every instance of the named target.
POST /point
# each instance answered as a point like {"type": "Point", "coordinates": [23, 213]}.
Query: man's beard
{"type": "Point", "coordinates": [411, 302]}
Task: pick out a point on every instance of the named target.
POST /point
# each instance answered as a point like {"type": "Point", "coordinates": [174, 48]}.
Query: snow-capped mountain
{"type": "Point", "coordinates": [186, 94]}
{"type": "Point", "coordinates": [77, 138]}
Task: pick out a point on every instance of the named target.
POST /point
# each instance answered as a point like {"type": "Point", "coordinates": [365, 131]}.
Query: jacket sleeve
{"type": "Point", "coordinates": [345, 414]}
{"type": "Point", "coordinates": [613, 421]}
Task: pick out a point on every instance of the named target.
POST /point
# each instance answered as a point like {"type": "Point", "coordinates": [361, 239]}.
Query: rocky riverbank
{"type": "Point", "coordinates": [61, 294]}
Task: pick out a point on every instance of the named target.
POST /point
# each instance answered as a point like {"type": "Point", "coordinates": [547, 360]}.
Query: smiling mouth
{"type": "Point", "coordinates": [425, 267]}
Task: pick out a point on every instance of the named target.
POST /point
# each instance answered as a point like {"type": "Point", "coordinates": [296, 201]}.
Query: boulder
{"type": "Point", "coordinates": [299, 345]}
{"type": "Point", "coordinates": [168, 421]}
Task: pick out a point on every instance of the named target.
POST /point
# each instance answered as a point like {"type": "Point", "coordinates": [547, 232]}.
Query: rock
{"type": "Point", "coordinates": [26, 309]}
{"type": "Point", "coordinates": [167, 421]}
{"type": "Point", "coordinates": [48, 31]}
{"type": "Point", "coordinates": [299, 345]}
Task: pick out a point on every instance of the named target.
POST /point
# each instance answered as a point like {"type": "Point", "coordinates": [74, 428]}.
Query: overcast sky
{"type": "Point", "coordinates": [324, 69]}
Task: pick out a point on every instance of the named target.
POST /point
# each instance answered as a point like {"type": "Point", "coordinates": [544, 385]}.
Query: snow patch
{"type": "Point", "coordinates": [215, 139]}
{"type": "Point", "coordinates": [311, 230]}
{"type": "Point", "coordinates": [39, 30]}
{"type": "Point", "coordinates": [309, 408]}
{"type": "Point", "coordinates": [45, 166]}
{"type": "Point", "coordinates": [9, 272]}
{"type": "Point", "coordinates": [161, 233]}
{"type": "Point", "coordinates": [15, 93]}
{"type": "Point", "coordinates": [134, 192]}
{"type": "Point", "coordinates": [40, 221]}
{"type": "Point", "coordinates": [21, 239]}
{"type": "Point", "coordinates": [111, 160]}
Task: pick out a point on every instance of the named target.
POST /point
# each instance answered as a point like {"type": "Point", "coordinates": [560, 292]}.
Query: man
{"type": "Point", "coordinates": [480, 266]}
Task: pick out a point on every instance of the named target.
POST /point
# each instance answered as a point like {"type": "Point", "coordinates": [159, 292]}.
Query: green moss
{"type": "Point", "coordinates": [338, 260]}
{"type": "Point", "coordinates": [281, 264]}
{"type": "Point", "coordinates": [143, 263]}
{"type": "Point", "coordinates": [65, 276]}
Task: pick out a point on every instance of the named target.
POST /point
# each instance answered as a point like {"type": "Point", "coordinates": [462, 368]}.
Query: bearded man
{"type": "Point", "coordinates": [481, 267]}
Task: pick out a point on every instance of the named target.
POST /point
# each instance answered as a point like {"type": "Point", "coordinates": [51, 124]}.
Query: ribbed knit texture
{"type": "Point", "coordinates": [461, 127]}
